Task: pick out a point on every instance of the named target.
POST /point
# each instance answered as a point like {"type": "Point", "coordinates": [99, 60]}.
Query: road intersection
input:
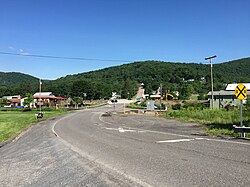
{"type": "Point", "coordinates": [122, 150]}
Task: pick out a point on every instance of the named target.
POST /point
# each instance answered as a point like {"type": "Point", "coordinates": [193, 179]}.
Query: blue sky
{"type": "Point", "coordinates": [130, 30]}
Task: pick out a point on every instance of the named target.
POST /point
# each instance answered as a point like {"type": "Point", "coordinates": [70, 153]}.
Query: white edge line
{"type": "Point", "coordinates": [175, 141]}
{"type": "Point", "coordinates": [53, 126]}
{"type": "Point", "coordinates": [208, 139]}
{"type": "Point", "coordinates": [104, 121]}
{"type": "Point", "coordinates": [75, 149]}
{"type": "Point", "coordinates": [173, 134]}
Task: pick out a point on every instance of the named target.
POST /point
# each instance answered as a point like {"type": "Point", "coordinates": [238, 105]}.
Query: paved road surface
{"type": "Point", "coordinates": [133, 150]}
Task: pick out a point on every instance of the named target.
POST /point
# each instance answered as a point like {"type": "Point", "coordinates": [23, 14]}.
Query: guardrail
{"type": "Point", "coordinates": [241, 129]}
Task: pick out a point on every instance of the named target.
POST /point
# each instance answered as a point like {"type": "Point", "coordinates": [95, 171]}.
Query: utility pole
{"type": "Point", "coordinates": [40, 94]}
{"type": "Point", "coordinates": [161, 95]}
{"type": "Point", "coordinates": [212, 84]}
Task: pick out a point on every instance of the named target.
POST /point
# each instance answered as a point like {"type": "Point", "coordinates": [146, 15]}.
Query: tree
{"type": "Point", "coordinates": [28, 100]}
{"type": "Point", "coordinates": [129, 89]}
{"type": "Point", "coordinates": [77, 100]}
{"type": "Point", "coordinates": [186, 91]}
{"type": "Point", "coordinates": [3, 102]}
{"type": "Point", "coordinates": [248, 103]}
{"type": "Point", "coordinates": [83, 86]}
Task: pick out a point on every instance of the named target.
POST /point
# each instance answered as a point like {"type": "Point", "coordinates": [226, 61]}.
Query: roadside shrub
{"type": "Point", "coordinates": [176, 107]}
{"type": "Point", "coordinates": [47, 109]}
{"type": "Point", "coordinates": [194, 106]}
{"type": "Point", "coordinates": [26, 109]}
{"type": "Point", "coordinates": [10, 109]}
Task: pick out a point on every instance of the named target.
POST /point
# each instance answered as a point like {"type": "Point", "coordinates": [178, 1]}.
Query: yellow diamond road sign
{"type": "Point", "coordinates": [240, 91]}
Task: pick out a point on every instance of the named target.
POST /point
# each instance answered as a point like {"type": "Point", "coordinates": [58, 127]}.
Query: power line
{"type": "Point", "coordinates": [61, 57]}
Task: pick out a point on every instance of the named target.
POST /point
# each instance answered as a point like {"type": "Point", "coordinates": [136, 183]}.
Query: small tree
{"type": "Point", "coordinates": [186, 91]}
{"type": "Point", "coordinates": [77, 100]}
{"type": "Point", "coordinates": [3, 102]}
{"type": "Point", "coordinates": [28, 100]}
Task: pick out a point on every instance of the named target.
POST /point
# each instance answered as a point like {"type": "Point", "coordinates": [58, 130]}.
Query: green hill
{"type": "Point", "coordinates": [14, 78]}
{"type": "Point", "coordinates": [12, 83]}
{"type": "Point", "coordinates": [124, 79]}
{"type": "Point", "coordinates": [186, 78]}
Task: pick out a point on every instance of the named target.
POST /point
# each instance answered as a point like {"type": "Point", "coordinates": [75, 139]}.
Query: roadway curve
{"type": "Point", "coordinates": [155, 152]}
{"type": "Point", "coordinates": [134, 150]}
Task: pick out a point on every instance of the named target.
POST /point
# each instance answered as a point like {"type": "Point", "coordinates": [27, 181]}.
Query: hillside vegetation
{"type": "Point", "coordinates": [186, 78]}
{"type": "Point", "coordinates": [14, 78]}
{"type": "Point", "coordinates": [17, 83]}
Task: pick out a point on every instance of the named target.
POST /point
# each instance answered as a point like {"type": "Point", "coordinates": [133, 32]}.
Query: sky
{"type": "Point", "coordinates": [123, 31]}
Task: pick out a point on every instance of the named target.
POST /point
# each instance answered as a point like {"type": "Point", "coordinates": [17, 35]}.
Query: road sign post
{"type": "Point", "coordinates": [114, 99]}
{"type": "Point", "coordinates": [241, 93]}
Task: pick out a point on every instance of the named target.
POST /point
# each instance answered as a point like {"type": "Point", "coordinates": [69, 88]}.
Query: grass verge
{"type": "Point", "coordinates": [13, 123]}
{"type": "Point", "coordinates": [216, 122]}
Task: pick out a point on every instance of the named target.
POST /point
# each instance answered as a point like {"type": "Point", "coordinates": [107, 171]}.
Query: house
{"type": "Point", "coordinates": [13, 101]}
{"type": "Point", "coordinates": [44, 99]}
{"type": "Point", "coordinates": [48, 99]}
{"type": "Point", "coordinates": [226, 97]}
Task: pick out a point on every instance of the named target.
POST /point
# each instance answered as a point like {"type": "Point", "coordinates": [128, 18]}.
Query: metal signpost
{"type": "Point", "coordinates": [114, 99]}
{"type": "Point", "coordinates": [241, 93]}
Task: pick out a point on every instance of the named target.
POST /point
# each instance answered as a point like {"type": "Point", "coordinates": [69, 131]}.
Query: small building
{"type": "Point", "coordinates": [13, 101]}
{"type": "Point", "coordinates": [232, 87]}
{"type": "Point", "coordinates": [226, 97]}
{"type": "Point", "coordinates": [44, 99]}
{"type": "Point", "coordinates": [156, 96]}
{"type": "Point", "coordinates": [223, 98]}
{"type": "Point", "coordinates": [48, 99]}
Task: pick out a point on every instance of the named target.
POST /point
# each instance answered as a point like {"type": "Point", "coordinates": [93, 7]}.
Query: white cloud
{"type": "Point", "coordinates": [11, 48]}
{"type": "Point", "coordinates": [22, 52]}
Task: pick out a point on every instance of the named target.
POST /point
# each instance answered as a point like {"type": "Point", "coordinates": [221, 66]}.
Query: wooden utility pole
{"type": "Point", "coordinates": [212, 82]}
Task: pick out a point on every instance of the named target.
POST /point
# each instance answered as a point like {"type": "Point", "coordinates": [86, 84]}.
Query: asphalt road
{"type": "Point", "coordinates": [133, 150]}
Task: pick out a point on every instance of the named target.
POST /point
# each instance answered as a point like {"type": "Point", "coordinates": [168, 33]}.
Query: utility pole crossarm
{"type": "Point", "coordinates": [210, 57]}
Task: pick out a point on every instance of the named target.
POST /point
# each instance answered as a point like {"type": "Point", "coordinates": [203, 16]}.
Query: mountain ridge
{"type": "Point", "coordinates": [124, 78]}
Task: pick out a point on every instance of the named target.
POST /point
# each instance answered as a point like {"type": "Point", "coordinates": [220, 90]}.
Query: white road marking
{"type": "Point", "coordinates": [175, 141]}
{"type": "Point", "coordinates": [180, 135]}
{"type": "Point", "coordinates": [180, 140]}
{"type": "Point", "coordinates": [107, 128]}
{"type": "Point", "coordinates": [201, 139]}
{"type": "Point", "coordinates": [124, 130]}
{"type": "Point", "coordinates": [97, 124]}
{"type": "Point", "coordinates": [186, 136]}
{"type": "Point", "coordinates": [65, 117]}
{"type": "Point", "coordinates": [118, 129]}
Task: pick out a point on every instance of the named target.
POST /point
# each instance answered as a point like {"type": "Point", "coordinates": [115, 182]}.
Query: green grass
{"type": "Point", "coordinates": [13, 123]}
{"type": "Point", "coordinates": [216, 122]}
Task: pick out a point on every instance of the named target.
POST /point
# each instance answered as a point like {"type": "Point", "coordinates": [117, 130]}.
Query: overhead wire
{"type": "Point", "coordinates": [61, 57]}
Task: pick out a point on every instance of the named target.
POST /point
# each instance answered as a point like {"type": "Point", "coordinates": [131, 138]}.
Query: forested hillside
{"type": "Point", "coordinates": [17, 83]}
{"type": "Point", "coordinates": [14, 78]}
{"type": "Point", "coordinates": [186, 78]}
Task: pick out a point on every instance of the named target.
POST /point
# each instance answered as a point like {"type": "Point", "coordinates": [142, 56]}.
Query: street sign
{"type": "Point", "coordinates": [150, 105]}
{"type": "Point", "coordinates": [240, 91]}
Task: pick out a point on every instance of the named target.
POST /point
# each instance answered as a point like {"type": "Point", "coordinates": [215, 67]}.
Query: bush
{"type": "Point", "coordinates": [194, 106]}
{"type": "Point", "coordinates": [10, 109]}
{"type": "Point", "coordinates": [176, 107]}
{"type": "Point", "coordinates": [26, 109]}
{"type": "Point", "coordinates": [46, 109]}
